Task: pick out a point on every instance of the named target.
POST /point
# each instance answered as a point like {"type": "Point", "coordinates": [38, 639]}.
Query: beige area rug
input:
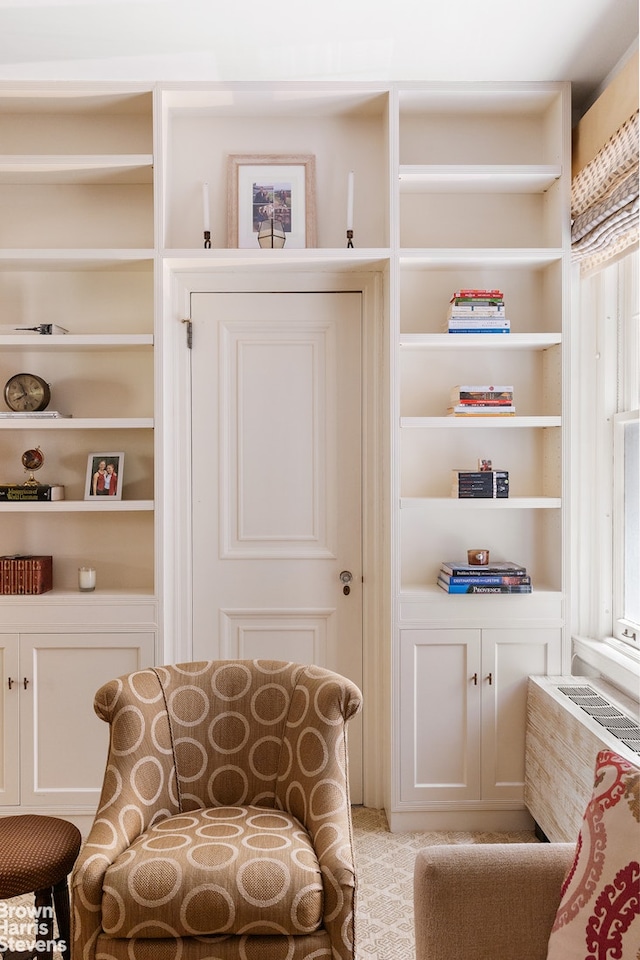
{"type": "Point", "coordinates": [385, 862]}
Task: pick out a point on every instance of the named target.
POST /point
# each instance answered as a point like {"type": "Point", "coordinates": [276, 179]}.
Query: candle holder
{"type": "Point", "coordinates": [86, 579]}
{"type": "Point", "coordinates": [207, 239]}
{"type": "Point", "coordinates": [271, 234]}
{"type": "Point", "coordinates": [349, 238]}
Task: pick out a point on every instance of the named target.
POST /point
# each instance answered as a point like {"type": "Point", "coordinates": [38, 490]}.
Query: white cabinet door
{"type": "Point", "coordinates": [509, 656]}
{"type": "Point", "coordinates": [463, 704]}
{"type": "Point", "coordinates": [64, 744]}
{"type": "Point", "coordinates": [440, 715]}
{"type": "Point", "coordinates": [9, 730]}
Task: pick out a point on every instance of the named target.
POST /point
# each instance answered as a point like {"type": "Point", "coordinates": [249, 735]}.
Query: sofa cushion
{"type": "Point", "coordinates": [599, 912]}
{"type": "Point", "coordinates": [223, 870]}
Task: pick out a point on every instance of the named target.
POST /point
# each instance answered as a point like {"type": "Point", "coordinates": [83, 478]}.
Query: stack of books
{"type": "Point", "coordinates": [485, 400]}
{"type": "Point", "coordinates": [29, 575]}
{"type": "Point", "coordinates": [480, 484]}
{"type": "Point", "coordinates": [477, 311]}
{"type": "Point", "coordinates": [507, 577]}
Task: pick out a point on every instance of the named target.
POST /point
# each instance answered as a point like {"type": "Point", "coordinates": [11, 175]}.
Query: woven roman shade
{"type": "Point", "coordinates": [604, 200]}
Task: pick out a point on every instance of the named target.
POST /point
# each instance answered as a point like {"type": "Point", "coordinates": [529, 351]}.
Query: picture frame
{"type": "Point", "coordinates": [99, 480]}
{"type": "Point", "coordinates": [284, 184]}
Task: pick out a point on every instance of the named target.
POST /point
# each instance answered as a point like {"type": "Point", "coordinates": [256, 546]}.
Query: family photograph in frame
{"type": "Point", "coordinates": [278, 187]}
{"type": "Point", "coordinates": [105, 473]}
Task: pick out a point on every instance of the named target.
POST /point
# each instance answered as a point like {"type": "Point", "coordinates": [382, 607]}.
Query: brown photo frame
{"type": "Point", "coordinates": [278, 186]}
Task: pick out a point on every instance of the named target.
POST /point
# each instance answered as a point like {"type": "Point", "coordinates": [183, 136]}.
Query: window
{"type": "Point", "coordinates": [605, 468]}
{"type": "Point", "coordinates": [626, 529]}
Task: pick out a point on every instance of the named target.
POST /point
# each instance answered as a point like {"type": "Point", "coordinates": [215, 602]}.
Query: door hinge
{"type": "Point", "coordinates": [189, 332]}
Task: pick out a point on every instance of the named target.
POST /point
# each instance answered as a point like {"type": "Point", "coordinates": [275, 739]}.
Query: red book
{"type": "Point", "coordinates": [479, 294]}
{"type": "Point", "coordinates": [41, 574]}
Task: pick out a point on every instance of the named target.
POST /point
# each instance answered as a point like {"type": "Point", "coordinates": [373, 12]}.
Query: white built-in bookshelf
{"type": "Point", "coordinates": [456, 185]}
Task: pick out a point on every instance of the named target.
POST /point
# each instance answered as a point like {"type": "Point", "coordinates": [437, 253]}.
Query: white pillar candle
{"type": "Point", "coordinates": [86, 578]}
{"type": "Point", "coordinates": [205, 205]}
{"type": "Point", "coordinates": [350, 201]}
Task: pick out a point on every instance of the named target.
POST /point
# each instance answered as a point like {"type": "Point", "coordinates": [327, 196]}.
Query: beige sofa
{"type": "Point", "coordinates": [488, 901]}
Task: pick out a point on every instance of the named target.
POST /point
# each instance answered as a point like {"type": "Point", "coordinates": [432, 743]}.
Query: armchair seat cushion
{"type": "Point", "coordinates": [221, 870]}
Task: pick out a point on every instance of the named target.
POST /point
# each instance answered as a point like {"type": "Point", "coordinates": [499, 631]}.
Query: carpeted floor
{"type": "Point", "coordinates": [384, 862]}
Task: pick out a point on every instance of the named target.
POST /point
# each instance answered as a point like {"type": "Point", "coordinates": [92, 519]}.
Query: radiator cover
{"type": "Point", "coordinates": [564, 737]}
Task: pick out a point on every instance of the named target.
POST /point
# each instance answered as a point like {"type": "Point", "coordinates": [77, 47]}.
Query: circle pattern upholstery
{"type": "Point", "coordinates": [213, 871]}
{"type": "Point", "coordinates": [224, 816]}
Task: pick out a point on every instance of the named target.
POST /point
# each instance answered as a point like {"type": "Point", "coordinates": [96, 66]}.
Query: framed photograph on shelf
{"type": "Point", "coordinates": [105, 473]}
{"type": "Point", "coordinates": [279, 187]}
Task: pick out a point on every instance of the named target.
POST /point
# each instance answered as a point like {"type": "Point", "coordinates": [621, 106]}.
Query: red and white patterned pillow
{"type": "Point", "coordinates": [599, 913]}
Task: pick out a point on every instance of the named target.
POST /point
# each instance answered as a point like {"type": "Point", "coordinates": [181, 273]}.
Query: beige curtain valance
{"type": "Point", "coordinates": [604, 200]}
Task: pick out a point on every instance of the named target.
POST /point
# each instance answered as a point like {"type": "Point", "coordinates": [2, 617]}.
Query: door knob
{"type": "Point", "coordinates": [346, 577]}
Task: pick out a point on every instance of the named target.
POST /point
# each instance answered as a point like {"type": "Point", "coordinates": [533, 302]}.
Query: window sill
{"type": "Point", "coordinates": [613, 660]}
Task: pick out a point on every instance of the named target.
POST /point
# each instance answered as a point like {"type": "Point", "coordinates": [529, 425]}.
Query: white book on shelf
{"type": "Point", "coordinates": [33, 415]}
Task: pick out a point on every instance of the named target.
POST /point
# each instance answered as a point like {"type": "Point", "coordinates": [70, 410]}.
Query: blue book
{"type": "Point", "coordinates": [481, 588]}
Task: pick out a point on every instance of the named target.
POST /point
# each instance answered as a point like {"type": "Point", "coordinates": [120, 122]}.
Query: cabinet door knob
{"type": "Point", "coordinates": [25, 681]}
{"type": "Point", "coordinates": [475, 679]}
{"type": "Point", "coordinates": [10, 682]}
{"type": "Point", "coordinates": [490, 679]}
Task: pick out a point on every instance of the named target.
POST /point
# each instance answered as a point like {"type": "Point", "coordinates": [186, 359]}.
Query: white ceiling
{"type": "Point", "coordinates": [577, 40]}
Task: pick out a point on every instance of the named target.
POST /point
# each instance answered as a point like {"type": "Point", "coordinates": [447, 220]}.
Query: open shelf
{"type": "Point", "coordinates": [478, 423]}
{"type": "Point", "coordinates": [464, 503]}
{"type": "Point", "coordinates": [35, 341]}
{"type": "Point", "coordinates": [79, 423]}
{"type": "Point", "coordinates": [470, 178]}
{"type": "Point", "coordinates": [79, 170]}
{"type": "Point", "coordinates": [79, 506]}
{"type": "Point", "coordinates": [479, 341]}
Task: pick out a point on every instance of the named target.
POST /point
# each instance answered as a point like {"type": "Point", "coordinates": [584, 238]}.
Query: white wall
{"type": "Point", "coordinates": [386, 40]}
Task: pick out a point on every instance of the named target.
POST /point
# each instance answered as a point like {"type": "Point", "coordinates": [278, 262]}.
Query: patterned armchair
{"type": "Point", "coordinates": [224, 826]}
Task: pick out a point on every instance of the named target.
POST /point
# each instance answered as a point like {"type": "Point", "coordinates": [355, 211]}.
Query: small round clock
{"type": "Point", "coordinates": [26, 392]}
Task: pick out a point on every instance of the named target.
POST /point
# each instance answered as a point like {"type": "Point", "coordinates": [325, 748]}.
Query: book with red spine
{"type": "Point", "coordinates": [475, 293]}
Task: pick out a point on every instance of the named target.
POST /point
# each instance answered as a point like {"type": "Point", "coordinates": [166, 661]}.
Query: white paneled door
{"type": "Point", "coordinates": [277, 481]}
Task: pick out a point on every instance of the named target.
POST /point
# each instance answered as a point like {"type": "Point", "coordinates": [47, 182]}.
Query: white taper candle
{"type": "Point", "coordinates": [205, 205]}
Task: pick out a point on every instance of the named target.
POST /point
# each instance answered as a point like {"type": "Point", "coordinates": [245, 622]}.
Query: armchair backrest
{"type": "Point", "coordinates": [226, 732]}
{"type": "Point", "coordinates": [227, 721]}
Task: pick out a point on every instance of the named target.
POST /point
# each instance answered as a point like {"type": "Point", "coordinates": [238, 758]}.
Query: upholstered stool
{"type": "Point", "coordinates": [37, 855]}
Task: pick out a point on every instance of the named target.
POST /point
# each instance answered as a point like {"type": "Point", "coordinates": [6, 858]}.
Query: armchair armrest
{"type": "Point", "coordinates": [313, 785]}
{"type": "Point", "coordinates": [488, 901]}
{"type": "Point", "coordinates": [139, 788]}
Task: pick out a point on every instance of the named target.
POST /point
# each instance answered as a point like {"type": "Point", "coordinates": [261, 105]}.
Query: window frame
{"type": "Point", "coordinates": [625, 629]}
{"type": "Point", "coordinates": [605, 378]}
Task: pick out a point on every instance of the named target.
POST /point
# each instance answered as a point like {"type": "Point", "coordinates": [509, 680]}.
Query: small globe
{"type": "Point", "coordinates": [33, 459]}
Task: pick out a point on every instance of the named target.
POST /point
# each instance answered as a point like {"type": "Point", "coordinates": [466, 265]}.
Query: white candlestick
{"type": "Point", "coordinates": [86, 578]}
{"type": "Point", "coordinates": [205, 205]}
{"type": "Point", "coordinates": [350, 201]}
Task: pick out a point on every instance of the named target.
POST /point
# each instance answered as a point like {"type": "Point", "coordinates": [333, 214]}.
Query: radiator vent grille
{"type": "Point", "coordinates": [619, 724]}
